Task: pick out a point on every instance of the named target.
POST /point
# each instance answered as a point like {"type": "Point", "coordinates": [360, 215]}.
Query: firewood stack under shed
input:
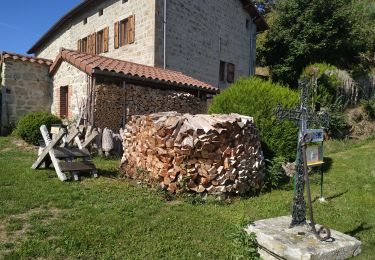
{"type": "Point", "coordinates": [202, 153]}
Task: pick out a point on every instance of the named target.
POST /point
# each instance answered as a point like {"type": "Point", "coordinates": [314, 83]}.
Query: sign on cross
{"type": "Point", "coordinates": [303, 115]}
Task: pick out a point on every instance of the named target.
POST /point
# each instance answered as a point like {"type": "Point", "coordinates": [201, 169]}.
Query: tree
{"type": "Point", "coordinates": [364, 30]}
{"type": "Point", "coordinates": [305, 32]}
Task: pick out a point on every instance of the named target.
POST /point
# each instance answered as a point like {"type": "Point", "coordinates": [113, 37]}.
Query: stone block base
{"type": "Point", "coordinates": [278, 241]}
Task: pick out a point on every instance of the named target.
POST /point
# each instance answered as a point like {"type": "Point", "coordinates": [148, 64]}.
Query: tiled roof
{"type": "Point", "coordinates": [96, 65]}
{"type": "Point", "coordinates": [84, 5]}
{"type": "Point", "coordinates": [15, 56]}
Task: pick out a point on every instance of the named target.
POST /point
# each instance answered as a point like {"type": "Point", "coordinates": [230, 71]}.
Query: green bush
{"type": "Point", "coordinates": [29, 124]}
{"type": "Point", "coordinates": [275, 175]}
{"type": "Point", "coordinates": [258, 98]}
{"type": "Point", "coordinates": [369, 108]}
{"type": "Point", "coordinates": [327, 82]}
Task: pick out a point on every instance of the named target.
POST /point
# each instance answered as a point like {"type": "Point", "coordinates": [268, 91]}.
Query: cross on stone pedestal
{"type": "Point", "coordinates": [303, 115]}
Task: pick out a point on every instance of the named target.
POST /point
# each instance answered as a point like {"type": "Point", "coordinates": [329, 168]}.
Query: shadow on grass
{"type": "Point", "coordinates": [334, 196]}
{"type": "Point", "coordinates": [362, 227]}
{"type": "Point", "coordinates": [113, 174]}
{"type": "Point", "coordinates": [327, 164]}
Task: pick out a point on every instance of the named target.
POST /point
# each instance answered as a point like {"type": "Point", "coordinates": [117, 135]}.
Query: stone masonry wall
{"type": "Point", "coordinates": [26, 87]}
{"type": "Point", "coordinates": [109, 109]}
{"type": "Point", "coordinates": [141, 51]}
{"type": "Point", "coordinates": [201, 33]}
{"type": "Point", "coordinates": [76, 81]}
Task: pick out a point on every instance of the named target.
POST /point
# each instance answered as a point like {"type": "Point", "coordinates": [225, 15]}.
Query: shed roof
{"type": "Point", "coordinates": [95, 65]}
{"type": "Point", "coordinates": [14, 56]}
{"type": "Point", "coordinates": [248, 6]}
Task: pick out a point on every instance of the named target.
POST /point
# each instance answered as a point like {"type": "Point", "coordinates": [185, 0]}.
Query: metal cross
{"type": "Point", "coordinates": [303, 115]}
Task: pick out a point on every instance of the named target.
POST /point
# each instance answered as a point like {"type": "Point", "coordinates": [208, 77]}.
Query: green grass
{"type": "Point", "coordinates": [111, 217]}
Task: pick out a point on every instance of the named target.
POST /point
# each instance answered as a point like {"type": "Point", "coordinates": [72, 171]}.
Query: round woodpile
{"type": "Point", "coordinates": [202, 153]}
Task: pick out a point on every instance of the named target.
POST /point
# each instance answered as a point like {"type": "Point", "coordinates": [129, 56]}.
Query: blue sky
{"type": "Point", "coordinates": [23, 22]}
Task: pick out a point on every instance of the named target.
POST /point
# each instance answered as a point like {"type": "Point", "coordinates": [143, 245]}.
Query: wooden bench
{"type": "Point", "coordinates": [64, 158]}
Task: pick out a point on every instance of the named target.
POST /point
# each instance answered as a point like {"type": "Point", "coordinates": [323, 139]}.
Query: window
{"type": "Point", "coordinates": [124, 32]}
{"type": "Point", "coordinates": [100, 42]}
{"type": "Point", "coordinates": [222, 71]}
{"type": "Point", "coordinates": [101, 12]}
{"type": "Point", "coordinates": [247, 23]}
{"type": "Point", "coordinates": [85, 20]}
{"type": "Point", "coordinates": [230, 73]}
{"type": "Point", "coordinates": [84, 45]}
{"type": "Point", "coordinates": [64, 105]}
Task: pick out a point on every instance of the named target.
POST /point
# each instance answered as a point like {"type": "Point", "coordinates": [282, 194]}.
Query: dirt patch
{"type": "Point", "coordinates": [22, 145]}
{"type": "Point", "coordinates": [361, 125]}
{"type": "Point", "coordinates": [14, 228]}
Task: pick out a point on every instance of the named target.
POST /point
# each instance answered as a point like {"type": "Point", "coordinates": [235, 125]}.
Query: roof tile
{"type": "Point", "coordinates": [16, 56]}
{"type": "Point", "coordinates": [89, 62]}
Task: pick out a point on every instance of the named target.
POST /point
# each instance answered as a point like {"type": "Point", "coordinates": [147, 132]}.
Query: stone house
{"type": "Point", "coordinates": [25, 85]}
{"type": "Point", "coordinates": [111, 90]}
{"type": "Point", "coordinates": [106, 60]}
{"type": "Point", "coordinates": [211, 40]}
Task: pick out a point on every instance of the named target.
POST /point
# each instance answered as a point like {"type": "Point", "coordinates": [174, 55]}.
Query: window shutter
{"type": "Point", "coordinates": [131, 29]}
{"type": "Point", "coordinates": [88, 50]}
{"type": "Point", "coordinates": [230, 72]}
{"type": "Point", "coordinates": [79, 45]}
{"type": "Point", "coordinates": [116, 35]}
{"type": "Point", "coordinates": [93, 43]}
{"type": "Point", "coordinates": [105, 36]}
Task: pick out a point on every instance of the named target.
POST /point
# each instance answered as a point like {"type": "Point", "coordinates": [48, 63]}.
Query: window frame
{"type": "Point", "coordinates": [84, 44]}
{"type": "Point", "coordinates": [100, 42]}
{"type": "Point", "coordinates": [222, 67]}
{"type": "Point", "coordinates": [123, 32]}
{"type": "Point", "coordinates": [64, 93]}
{"type": "Point", "coordinates": [231, 71]}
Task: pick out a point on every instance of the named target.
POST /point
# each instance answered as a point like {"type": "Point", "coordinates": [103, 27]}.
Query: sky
{"type": "Point", "coordinates": [23, 22]}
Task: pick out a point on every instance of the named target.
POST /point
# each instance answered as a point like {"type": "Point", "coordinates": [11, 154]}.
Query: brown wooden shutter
{"type": "Point", "coordinates": [116, 35]}
{"type": "Point", "coordinates": [79, 45]}
{"type": "Point", "coordinates": [93, 37]}
{"type": "Point", "coordinates": [106, 36]}
{"type": "Point", "coordinates": [230, 72]}
{"type": "Point", "coordinates": [131, 29]}
{"type": "Point", "coordinates": [88, 50]}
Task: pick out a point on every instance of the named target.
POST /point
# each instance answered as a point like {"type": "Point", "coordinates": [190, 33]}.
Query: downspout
{"type": "Point", "coordinates": [165, 34]}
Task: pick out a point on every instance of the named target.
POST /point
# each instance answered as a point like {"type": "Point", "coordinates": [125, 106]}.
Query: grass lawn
{"type": "Point", "coordinates": [109, 217]}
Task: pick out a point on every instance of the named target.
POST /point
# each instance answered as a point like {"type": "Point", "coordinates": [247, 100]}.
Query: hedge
{"type": "Point", "coordinates": [29, 124]}
{"type": "Point", "coordinates": [258, 98]}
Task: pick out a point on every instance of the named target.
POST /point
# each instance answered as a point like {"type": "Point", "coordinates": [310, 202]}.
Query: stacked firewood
{"type": "Point", "coordinates": [109, 108]}
{"type": "Point", "coordinates": [141, 101]}
{"type": "Point", "coordinates": [202, 153]}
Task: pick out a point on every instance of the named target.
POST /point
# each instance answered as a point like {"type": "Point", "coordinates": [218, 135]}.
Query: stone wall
{"type": "Point", "coordinates": [141, 51]}
{"type": "Point", "coordinates": [201, 33]}
{"type": "Point", "coordinates": [26, 87]}
{"type": "Point", "coordinates": [69, 76]}
{"type": "Point", "coordinates": [110, 112]}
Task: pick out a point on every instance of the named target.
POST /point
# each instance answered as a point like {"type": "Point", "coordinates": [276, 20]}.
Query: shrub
{"type": "Point", "coordinates": [327, 82]}
{"type": "Point", "coordinates": [275, 175]}
{"type": "Point", "coordinates": [368, 107]}
{"type": "Point", "coordinates": [29, 124]}
{"type": "Point", "coordinates": [258, 98]}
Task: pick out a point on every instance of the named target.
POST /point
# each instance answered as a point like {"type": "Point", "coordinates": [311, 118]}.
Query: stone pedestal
{"type": "Point", "coordinates": [278, 241]}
